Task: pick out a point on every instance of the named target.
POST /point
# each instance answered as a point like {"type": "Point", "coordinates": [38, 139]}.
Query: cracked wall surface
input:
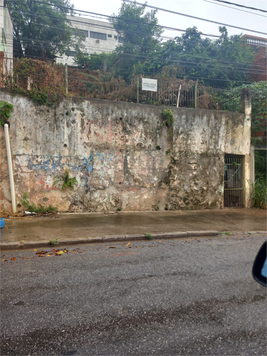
{"type": "Point", "coordinates": [121, 155]}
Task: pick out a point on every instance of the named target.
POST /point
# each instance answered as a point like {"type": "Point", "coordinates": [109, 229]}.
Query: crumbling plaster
{"type": "Point", "coordinates": [121, 155]}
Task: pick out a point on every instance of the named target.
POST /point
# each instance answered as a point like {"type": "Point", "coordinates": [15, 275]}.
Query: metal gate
{"type": "Point", "coordinates": [233, 181]}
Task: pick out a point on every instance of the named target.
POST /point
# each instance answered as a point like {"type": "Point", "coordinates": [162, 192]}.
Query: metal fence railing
{"type": "Point", "coordinates": [45, 83]}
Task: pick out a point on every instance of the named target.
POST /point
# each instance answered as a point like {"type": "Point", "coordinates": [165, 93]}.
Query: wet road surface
{"type": "Point", "coordinates": [171, 297]}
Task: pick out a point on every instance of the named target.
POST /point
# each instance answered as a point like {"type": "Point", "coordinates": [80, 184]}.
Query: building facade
{"type": "Point", "coordinates": [6, 38]}
{"type": "Point", "coordinates": [100, 36]}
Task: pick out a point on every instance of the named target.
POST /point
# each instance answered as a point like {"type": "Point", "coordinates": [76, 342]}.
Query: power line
{"type": "Point", "coordinates": [186, 63]}
{"type": "Point", "coordinates": [160, 9]}
{"type": "Point", "coordinates": [151, 72]}
{"type": "Point", "coordinates": [194, 17]}
{"type": "Point", "coordinates": [108, 27]}
{"type": "Point", "coordinates": [239, 5]}
{"type": "Point", "coordinates": [249, 12]}
{"type": "Point", "coordinates": [132, 56]}
{"type": "Point", "coordinates": [234, 65]}
{"type": "Point", "coordinates": [237, 66]}
{"type": "Point", "coordinates": [74, 20]}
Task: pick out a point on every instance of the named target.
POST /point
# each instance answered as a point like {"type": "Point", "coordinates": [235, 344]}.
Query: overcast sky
{"type": "Point", "coordinates": [208, 9]}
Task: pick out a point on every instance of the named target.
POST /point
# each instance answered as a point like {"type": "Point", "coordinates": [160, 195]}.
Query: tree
{"type": "Point", "coordinates": [224, 62]}
{"type": "Point", "coordinates": [41, 29]}
{"type": "Point", "coordinates": [139, 33]}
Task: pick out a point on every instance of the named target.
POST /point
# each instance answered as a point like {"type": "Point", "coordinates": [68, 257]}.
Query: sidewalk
{"type": "Point", "coordinates": [97, 227]}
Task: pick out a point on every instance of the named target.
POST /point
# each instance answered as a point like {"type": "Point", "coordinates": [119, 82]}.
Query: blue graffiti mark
{"type": "Point", "coordinates": [45, 165]}
{"type": "Point", "coordinates": [59, 160]}
{"type": "Point", "coordinates": [87, 164]}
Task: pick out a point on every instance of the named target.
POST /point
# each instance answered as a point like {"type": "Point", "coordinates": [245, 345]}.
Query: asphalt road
{"type": "Point", "coordinates": [169, 297]}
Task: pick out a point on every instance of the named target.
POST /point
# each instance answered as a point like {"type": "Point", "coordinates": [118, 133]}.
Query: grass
{"type": "Point", "coordinates": [148, 236]}
{"type": "Point", "coordinates": [225, 233]}
{"type": "Point", "coordinates": [38, 209]}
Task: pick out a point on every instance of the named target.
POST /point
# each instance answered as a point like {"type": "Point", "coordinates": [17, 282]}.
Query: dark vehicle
{"type": "Point", "coordinates": [259, 270]}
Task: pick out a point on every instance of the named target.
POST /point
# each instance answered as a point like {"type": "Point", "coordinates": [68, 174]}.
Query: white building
{"type": "Point", "coordinates": [100, 36]}
{"type": "Point", "coordinates": [6, 38]}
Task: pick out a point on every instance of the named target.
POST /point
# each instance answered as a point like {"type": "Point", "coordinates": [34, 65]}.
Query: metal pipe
{"type": "Point", "coordinates": [10, 169]}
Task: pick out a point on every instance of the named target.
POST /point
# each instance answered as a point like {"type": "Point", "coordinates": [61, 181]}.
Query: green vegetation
{"type": "Point", "coordinates": [42, 41]}
{"type": "Point", "coordinates": [168, 118]}
{"type": "Point", "coordinates": [259, 194]}
{"type": "Point", "coordinates": [139, 35]}
{"type": "Point", "coordinates": [40, 209]}
{"type": "Point", "coordinates": [54, 242]}
{"type": "Point", "coordinates": [5, 112]}
{"type": "Point", "coordinates": [65, 180]}
{"type": "Point", "coordinates": [225, 61]}
{"type": "Point", "coordinates": [231, 101]}
{"type": "Point", "coordinates": [148, 236]}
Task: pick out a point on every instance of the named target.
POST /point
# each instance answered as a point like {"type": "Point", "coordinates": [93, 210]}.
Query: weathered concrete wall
{"type": "Point", "coordinates": [121, 155]}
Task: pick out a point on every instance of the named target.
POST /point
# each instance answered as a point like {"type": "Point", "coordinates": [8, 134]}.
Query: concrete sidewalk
{"type": "Point", "coordinates": [97, 227]}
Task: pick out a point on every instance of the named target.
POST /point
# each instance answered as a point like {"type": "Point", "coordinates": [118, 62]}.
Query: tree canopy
{"type": "Point", "coordinates": [224, 62]}
{"type": "Point", "coordinates": [139, 33]}
{"type": "Point", "coordinates": [41, 29]}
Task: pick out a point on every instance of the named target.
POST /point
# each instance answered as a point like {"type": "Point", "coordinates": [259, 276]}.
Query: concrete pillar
{"type": "Point", "coordinates": [246, 107]}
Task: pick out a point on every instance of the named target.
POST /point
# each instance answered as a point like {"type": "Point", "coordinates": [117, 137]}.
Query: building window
{"type": "Point", "coordinates": [70, 53]}
{"type": "Point", "coordinates": [115, 37]}
{"type": "Point", "coordinates": [257, 43]}
{"type": "Point", "coordinates": [79, 31]}
{"type": "Point", "coordinates": [98, 35]}
{"type": "Point", "coordinates": [110, 36]}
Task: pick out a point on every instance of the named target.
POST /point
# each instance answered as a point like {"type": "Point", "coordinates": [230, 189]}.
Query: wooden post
{"type": "Point", "coordinates": [178, 97]}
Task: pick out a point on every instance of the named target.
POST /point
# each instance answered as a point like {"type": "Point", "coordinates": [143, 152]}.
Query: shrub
{"type": "Point", "coordinates": [259, 194]}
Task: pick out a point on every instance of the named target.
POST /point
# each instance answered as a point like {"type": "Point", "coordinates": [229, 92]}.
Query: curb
{"type": "Point", "coordinates": [114, 238]}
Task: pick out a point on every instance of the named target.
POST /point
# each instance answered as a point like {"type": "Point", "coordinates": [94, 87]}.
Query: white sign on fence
{"type": "Point", "coordinates": [149, 84]}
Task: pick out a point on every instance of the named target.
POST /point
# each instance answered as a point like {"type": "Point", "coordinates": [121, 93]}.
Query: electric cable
{"type": "Point", "coordinates": [161, 9]}
{"type": "Point", "coordinates": [193, 17]}
{"type": "Point", "coordinates": [229, 7]}
{"type": "Point", "coordinates": [239, 5]}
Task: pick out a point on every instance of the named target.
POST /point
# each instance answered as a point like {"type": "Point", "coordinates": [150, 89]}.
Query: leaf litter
{"type": "Point", "coordinates": [48, 253]}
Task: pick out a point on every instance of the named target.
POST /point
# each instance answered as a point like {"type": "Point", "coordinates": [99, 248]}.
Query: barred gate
{"type": "Point", "coordinates": [233, 181]}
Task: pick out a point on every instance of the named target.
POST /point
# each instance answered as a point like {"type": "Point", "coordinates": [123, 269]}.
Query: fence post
{"type": "Point", "coordinates": [137, 89]}
{"type": "Point", "coordinates": [178, 96]}
{"type": "Point", "coordinates": [66, 78]}
{"type": "Point", "coordinates": [196, 95]}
